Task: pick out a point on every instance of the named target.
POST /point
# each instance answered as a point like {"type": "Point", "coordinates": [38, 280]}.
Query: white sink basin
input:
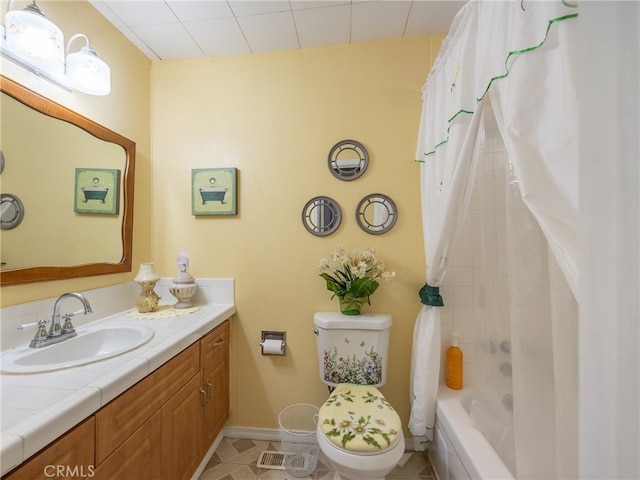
{"type": "Point", "coordinates": [91, 345]}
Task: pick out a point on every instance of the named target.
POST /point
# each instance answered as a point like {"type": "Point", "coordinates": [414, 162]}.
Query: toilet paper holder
{"type": "Point", "coordinates": [268, 339]}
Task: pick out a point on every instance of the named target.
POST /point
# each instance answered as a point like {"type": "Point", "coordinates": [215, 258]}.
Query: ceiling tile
{"type": "Point", "coordinates": [137, 41]}
{"type": "Point", "coordinates": [378, 20]}
{"type": "Point", "coordinates": [103, 8]}
{"type": "Point", "coordinates": [269, 32]}
{"type": "Point", "coordinates": [323, 26]}
{"type": "Point", "coordinates": [220, 36]}
{"type": "Point", "coordinates": [136, 13]}
{"type": "Point", "coordinates": [268, 25]}
{"type": "Point", "coordinates": [257, 7]}
{"type": "Point", "coordinates": [191, 11]}
{"type": "Point", "coordinates": [431, 16]}
{"type": "Point", "coordinates": [305, 4]}
{"type": "Point", "coordinates": [168, 41]}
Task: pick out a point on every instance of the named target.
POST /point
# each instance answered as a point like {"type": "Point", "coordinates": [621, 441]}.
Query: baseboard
{"type": "Point", "coordinates": [268, 434]}
{"type": "Point", "coordinates": [273, 435]}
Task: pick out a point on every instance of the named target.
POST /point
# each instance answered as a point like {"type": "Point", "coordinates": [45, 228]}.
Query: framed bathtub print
{"type": "Point", "coordinates": [213, 191]}
{"type": "Point", "coordinates": [96, 190]}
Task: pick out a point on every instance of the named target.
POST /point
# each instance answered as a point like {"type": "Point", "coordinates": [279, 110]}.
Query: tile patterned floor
{"type": "Point", "coordinates": [235, 459]}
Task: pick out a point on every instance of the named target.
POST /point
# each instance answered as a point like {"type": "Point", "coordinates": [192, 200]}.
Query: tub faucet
{"type": "Point", "coordinates": [58, 332]}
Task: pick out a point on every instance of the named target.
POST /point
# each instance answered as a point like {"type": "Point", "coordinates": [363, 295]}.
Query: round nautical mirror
{"type": "Point", "coordinates": [11, 211]}
{"type": "Point", "coordinates": [376, 214]}
{"type": "Point", "coordinates": [321, 216]}
{"type": "Point", "coordinates": [348, 160]}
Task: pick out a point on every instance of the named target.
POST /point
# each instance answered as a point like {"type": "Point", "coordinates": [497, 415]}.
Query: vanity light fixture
{"type": "Point", "coordinates": [32, 37]}
{"type": "Point", "coordinates": [37, 44]}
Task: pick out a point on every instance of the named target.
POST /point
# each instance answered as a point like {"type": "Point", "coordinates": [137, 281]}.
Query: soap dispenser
{"type": "Point", "coordinates": [454, 364]}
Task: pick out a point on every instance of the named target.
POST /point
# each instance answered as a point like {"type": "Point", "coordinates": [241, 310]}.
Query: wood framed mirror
{"type": "Point", "coordinates": [54, 241]}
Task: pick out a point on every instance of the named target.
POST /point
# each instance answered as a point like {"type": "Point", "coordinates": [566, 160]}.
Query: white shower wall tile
{"type": "Point", "coordinates": [463, 296]}
{"type": "Point", "coordinates": [462, 276]}
{"type": "Point", "coordinates": [464, 315]}
{"type": "Point", "coordinates": [463, 292]}
{"type": "Point", "coordinates": [462, 257]}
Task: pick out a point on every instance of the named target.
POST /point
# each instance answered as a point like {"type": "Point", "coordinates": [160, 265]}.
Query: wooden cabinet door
{"type": "Point", "coordinates": [139, 457]}
{"type": "Point", "coordinates": [117, 421]}
{"type": "Point", "coordinates": [182, 417]}
{"type": "Point", "coordinates": [214, 350]}
{"type": "Point", "coordinates": [219, 404]}
{"type": "Point", "coordinates": [71, 456]}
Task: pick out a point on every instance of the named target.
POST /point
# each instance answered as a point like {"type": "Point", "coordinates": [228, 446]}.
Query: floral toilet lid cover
{"type": "Point", "coordinates": [358, 418]}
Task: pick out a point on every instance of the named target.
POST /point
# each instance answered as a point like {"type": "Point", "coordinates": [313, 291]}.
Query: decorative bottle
{"type": "Point", "coordinates": [454, 364]}
{"type": "Point", "coordinates": [147, 278]}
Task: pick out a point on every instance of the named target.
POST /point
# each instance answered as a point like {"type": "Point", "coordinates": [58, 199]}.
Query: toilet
{"type": "Point", "coordinates": [359, 432]}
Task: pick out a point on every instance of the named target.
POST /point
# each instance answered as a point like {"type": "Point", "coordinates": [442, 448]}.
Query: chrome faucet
{"type": "Point", "coordinates": [58, 332]}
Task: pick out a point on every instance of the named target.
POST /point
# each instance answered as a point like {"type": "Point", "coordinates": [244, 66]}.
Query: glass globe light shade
{"type": "Point", "coordinates": [32, 37]}
{"type": "Point", "coordinates": [87, 73]}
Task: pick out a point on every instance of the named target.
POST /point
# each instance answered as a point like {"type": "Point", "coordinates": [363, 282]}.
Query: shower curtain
{"type": "Point", "coordinates": [526, 322]}
{"type": "Point", "coordinates": [523, 53]}
{"type": "Point", "coordinates": [527, 55]}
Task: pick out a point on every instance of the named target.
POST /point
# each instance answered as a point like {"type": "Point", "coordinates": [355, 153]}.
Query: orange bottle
{"type": "Point", "coordinates": [454, 364]}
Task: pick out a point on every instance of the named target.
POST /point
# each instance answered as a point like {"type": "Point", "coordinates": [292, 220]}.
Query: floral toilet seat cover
{"type": "Point", "coordinates": [358, 418]}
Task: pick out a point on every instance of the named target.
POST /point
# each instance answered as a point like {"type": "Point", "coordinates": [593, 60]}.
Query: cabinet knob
{"type": "Point", "coordinates": [217, 343]}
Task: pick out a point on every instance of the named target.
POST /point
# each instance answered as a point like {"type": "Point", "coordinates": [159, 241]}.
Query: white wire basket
{"type": "Point", "coordinates": [298, 424]}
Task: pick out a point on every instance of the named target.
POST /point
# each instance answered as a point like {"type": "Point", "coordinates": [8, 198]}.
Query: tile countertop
{"type": "Point", "coordinates": [38, 408]}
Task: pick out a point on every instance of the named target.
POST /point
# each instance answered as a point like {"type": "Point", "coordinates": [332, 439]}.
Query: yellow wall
{"type": "Point", "coordinates": [126, 110]}
{"type": "Point", "coordinates": [275, 117]}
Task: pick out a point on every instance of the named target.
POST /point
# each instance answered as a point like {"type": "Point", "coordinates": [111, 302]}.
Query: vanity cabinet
{"type": "Point", "coordinates": [160, 428]}
{"type": "Point", "coordinates": [71, 456]}
{"type": "Point", "coordinates": [120, 418]}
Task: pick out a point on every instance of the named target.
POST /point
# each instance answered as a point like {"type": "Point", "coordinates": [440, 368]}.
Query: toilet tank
{"type": "Point", "coordinates": [352, 349]}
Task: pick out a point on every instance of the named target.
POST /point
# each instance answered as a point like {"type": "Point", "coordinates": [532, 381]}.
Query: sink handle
{"type": "Point", "coordinates": [68, 326]}
{"type": "Point", "coordinates": [26, 326]}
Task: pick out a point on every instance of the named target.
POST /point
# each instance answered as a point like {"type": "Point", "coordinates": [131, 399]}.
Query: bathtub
{"type": "Point", "coordinates": [459, 451]}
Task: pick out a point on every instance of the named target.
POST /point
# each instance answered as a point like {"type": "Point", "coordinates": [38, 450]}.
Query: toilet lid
{"type": "Point", "coordinates": [358, 418]}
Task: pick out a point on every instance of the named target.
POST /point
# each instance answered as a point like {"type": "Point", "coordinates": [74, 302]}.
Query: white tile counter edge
{"type": "Point", "coordinates": [76, 393]}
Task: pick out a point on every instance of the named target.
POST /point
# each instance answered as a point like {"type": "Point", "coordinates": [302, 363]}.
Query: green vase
{"type": "Point", "coordinates": [351, 306]}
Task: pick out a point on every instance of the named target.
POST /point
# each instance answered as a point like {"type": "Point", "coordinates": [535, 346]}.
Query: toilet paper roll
{"type": "Point", "coordinates": [272, 347]}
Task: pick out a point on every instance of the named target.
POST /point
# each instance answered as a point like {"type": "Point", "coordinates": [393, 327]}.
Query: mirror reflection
{"type": "Point", "coordinates": [348, 160]}
{"type": "Point", "coordinates": [376, 214]}
{"type": "Point", "coordinates": [43, 145]}
{"type": "Point", "coordinates": [321, 216]}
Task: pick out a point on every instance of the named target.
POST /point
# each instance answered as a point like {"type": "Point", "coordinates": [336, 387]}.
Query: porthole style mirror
{"type": "Point", "coordinates": [348, 160]}
{"type": "Point", "coordinates": [11, 212]}
{"type": "Point", "coordinates": [376, 214]}
{"type": "Point", "coordinates": [321, 216]}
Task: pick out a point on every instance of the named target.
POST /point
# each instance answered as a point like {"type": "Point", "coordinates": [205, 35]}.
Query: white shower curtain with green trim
{"type": "Point", "coordinates": [523, 53]}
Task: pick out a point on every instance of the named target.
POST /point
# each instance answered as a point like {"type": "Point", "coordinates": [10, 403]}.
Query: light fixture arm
{"type": "Point", "coordinates": [86, 49]}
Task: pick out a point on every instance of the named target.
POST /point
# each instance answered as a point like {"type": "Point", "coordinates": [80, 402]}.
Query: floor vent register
{"type": "Point", "coordinates": [280, 461]}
